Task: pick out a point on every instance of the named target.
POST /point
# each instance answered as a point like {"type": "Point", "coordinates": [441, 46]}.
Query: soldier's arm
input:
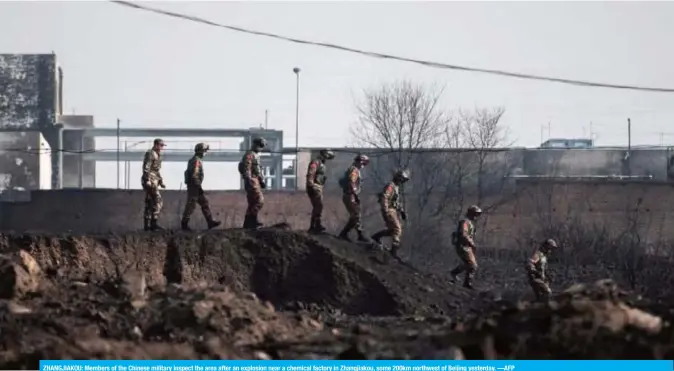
{"type": "Point", "coordinates": [465, 234]}
{"type": "Point", "coordinates": [147, 161]}
{"type": "Point", "coordinates": [155, 157]}
{"type": "Point", "coordinates": [353, 181]}
{"type": "Point", "coordinates": [248, 167]}
{"type": "Point", "coordinates": [386, 197]}
{"type": "Point", "coordinates": [311, 174]}
{"type": "Point", "coordinates": [195, 172]}
{"type": "Point", "coordinates": [531, 263]}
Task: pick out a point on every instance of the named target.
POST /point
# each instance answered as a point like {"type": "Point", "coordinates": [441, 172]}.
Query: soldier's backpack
{"type": "Point", "coordinates": [456, 235]}
{"type": "Point", "coordinates": [344, 180]}
{"type": "Point", "coordinates": [242, 166]}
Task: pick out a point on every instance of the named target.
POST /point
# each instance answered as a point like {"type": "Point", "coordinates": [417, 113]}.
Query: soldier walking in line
{"type": "Point", "coordinates": [151, 181]}
{"type": "Point", "coordinates": [250, 169]}
{"type": "Point", "coordinates": [464, 241]}
{"type": "Point", "coordinates": [536, 266]}
{"type": "Point", "coordinates": [351, 188]}
{"type": "Point", "coordinates": [389, 201]}
{"type": "Point", "coordinates": [315, 182]}
{"type": "Point", "coordinates": [194, 178]}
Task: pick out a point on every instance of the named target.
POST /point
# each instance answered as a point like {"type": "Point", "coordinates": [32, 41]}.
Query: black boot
{"type": "Point", "coordinates": [319, 228]}
{"type": "Point", "coordinates": [246, 222]}
{"type": "Point", "coordinates": [213, 223]}
{"type": "Point", "coordinates": [344, 234]}
{"type": "Point", "coordinates": [256, 222]}
{"type": "Point", "coordinates": [468, 282]}
{"type": "Point", "coordinates": [146, 224]}
{"type": "Point", "coordinates": [394, 251]}
{"type": "Point", "coordinates": [154, 226]}
{"type": "Point", "coordinates": [312, 226]}
{"type": "Point", "coordinates": [185, 225]}
{"type": "Point", "coordinates": [361, 237]}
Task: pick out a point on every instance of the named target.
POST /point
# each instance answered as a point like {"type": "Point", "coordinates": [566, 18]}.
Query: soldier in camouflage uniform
{"type": "Point", "coordinates": [315, 182]}
{"type": "Point", "coordinates": [464, 242]}
{"type": "Point", "coordinates": [535, 267]}
{"type": "Point", "coordinates": [250, 169]}
{"type": "Point", "coordinates": [151, 182]}
{"type": "Point", "coordinates": [351, 188]}
{"type": "Point", "coordinates": [194, 178]}
{"type": "Point", "coordinates": [389, 201]}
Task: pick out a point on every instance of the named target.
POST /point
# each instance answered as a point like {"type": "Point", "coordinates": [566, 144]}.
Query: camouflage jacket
{"type": "Point", "coordinates": [194, 175]}
{"type": "Point", "coordinates": [466, 232]}
{"type": "Point", "coordinates": [390, 196]}
{"type": "Point", "coordinates": [537, 264]}
{"type": "Point", "coordinates": [316, 174]}
{"type": "Point", "coordinates": [152, 167]}
{"type": "Point", "coordinates": [250, 166]}
{"type": "Point", "coordinates": [351, 182]}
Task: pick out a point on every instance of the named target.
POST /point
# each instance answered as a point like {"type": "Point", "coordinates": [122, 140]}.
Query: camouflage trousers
{"type": "Point", "coordinates": [468, 262]}
{"type": "Point", "coordinates": [195, 195]}
{"type": "Point", "coordinates": [153, 202]}
{"type": "Point", "coordinates": [541, 288]}
{"type": "Point", "coordinates": [353, 208]}
{"type": "Point", "coordinates": [315, 194]}
{"type": "Point", "coordinates": [393, 227]}
{"type": "Point", "coordinates": [254, 197]}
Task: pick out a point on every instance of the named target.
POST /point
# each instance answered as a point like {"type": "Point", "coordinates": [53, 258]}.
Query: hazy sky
{"type": "Point", "coordinates": [154, 71]}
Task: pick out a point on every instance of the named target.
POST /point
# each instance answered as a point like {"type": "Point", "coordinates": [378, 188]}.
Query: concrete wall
{"type": "Point", "coordinates": [532, 206]}
{"type": "Point", "coordinates": [29, 91]}
{"type": "Point", "coordinates": [44, 163]}
{"type": "Point", "coordinates": [25, 161]}
{"type": "Point", "coordinates": [516, 161]}
{"type": "Point", "coordinates": [74, 142]}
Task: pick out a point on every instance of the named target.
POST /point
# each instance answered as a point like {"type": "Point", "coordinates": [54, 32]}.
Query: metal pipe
{"type": "Point", "coordinates": [297, 126]}
{"type": "Point", "coordinates": [118, 144]}
{"type": "Point", "coordinates": [81, 162]}
{"type": "Point", "coordinates": [126, 167]}
{"type": "Point", "coordinates": [59, 161]}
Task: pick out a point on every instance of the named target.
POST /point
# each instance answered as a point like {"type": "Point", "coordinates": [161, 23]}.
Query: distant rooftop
{"type": "Point", "coordinates": [567, 143]}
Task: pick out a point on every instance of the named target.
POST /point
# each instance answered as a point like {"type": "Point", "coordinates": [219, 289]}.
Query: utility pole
{"type": "Point", "coordinates": [266, 119]}
{"type": "Point", "coordinates": [629, 146]}
{"type": "Point", "coordinates": [549, 130]}
{"type": "Point", "coordinates": [297, 70]}
{"type": "Point", "coordinates": [118, 144]}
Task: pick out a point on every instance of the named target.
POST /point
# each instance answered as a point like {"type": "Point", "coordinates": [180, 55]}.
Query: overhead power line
{"type": "Point", "coordinates": [389, 56]}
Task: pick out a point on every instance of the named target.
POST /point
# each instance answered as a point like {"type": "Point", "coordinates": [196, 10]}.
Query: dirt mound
{"type": "Point", "coordinates": [587, 322]}
{"type": "Point", "coordinates": [108, 298]}
{"type": "Point", "coordinates": [293, 270]}
{"type": "Point", "coordinates": [123, 319]}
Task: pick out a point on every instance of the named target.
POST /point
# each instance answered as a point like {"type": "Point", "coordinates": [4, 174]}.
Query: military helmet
{"type": "Point", "coordinates": [327, 154]}
{"type": "Point", "coordinates": [259, 142]}
{"type": "Point", "coordinates": [159, 142]}
{"type": "Point", "coordinates": [201, 147]}
{"type": "Point", "coordinates": [362, 159]}
{"type": "Point", "coordinates": [475, 210]}
{"type": "Point", "coordinates": [402, 175]}
{"type": "Point", "coordinates": [551, 243]}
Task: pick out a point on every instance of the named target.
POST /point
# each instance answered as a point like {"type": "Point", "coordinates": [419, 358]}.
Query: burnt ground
{"type": "Point", "coordinates": [279, 294]}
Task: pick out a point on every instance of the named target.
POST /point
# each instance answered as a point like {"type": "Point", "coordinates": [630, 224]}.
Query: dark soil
{"type": "Point", "coordinates": [281, 294]}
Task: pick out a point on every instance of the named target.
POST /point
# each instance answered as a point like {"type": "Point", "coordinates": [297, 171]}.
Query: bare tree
{"type": "Point", "coordinates": [483, 134]}
{"type": "Point", "coordinates": [401, 117]}
{"type": "Point", "coordinates": [456, 164]}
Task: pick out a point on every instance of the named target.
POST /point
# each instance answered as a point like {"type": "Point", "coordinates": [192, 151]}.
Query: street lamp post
{"type": "Point", "coordinates": [297, 70]}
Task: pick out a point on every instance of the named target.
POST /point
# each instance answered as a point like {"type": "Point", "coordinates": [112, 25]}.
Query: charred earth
{"type": "Point", "coordinates": [279, 294]}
